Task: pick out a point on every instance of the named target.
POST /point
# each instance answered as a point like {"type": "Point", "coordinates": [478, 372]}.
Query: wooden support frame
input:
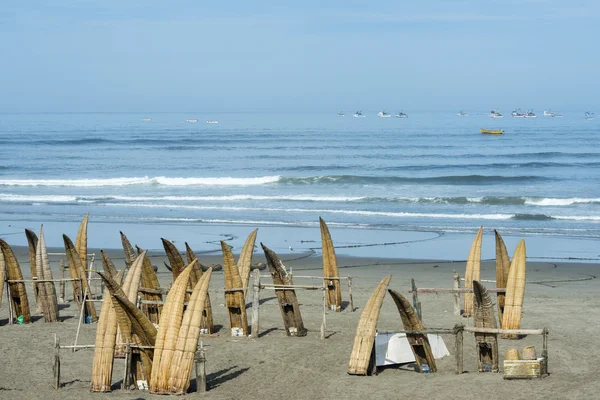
{"type": "Point", "coordinates": [325, 279]}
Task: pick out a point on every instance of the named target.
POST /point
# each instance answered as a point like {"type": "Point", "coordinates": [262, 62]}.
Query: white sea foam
{"type": "Point", "coordinates": [559, 202]}
{"type": "Point", "coordinates": [159, 180]}
{"type": "Point", "coordinates": [37, 198]}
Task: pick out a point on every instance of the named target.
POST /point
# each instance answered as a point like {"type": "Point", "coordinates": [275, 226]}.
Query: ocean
{"type": "Point", "coordinates": [375, 180]}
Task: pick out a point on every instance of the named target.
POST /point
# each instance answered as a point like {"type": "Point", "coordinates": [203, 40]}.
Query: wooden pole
{"type": "Point", "coordinates": [456, 285]}
{"type": "Point", "coordinates": [10, 304]}
{"type": "Point", "coordinates": [350, 293]}
{"type": "Point", "coordinates": [416, 303]}
{"type": "Point", "coordinates": [81, 313]}
{"type": "Point", "coordinates": [545, 351]}
{"type": "Point", "coordinates": [458, 331]}
{"type": "Point", "coordinates": [201, 368]}
{"type": "Point", "coordinates": [56, 368]}
{"type": "Point", "coordinates": [324, 323]}
{"type": "Point", "coordinates": [61, 298]}
{"type": "Point", "coordinates": [126, 377]}
{"type": "Point", "coordinates": [255, 303]}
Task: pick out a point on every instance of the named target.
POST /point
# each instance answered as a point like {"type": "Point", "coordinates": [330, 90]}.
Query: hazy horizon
{"type": "Point", "coordinates": [141, 56]}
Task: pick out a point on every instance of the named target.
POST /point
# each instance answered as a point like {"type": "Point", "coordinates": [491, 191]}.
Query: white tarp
{"type": "Point", "coordinates": [393, 348]}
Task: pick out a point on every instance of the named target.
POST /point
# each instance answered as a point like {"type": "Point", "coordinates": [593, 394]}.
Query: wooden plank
{"type": "Point", "coordinates": [255, 303]}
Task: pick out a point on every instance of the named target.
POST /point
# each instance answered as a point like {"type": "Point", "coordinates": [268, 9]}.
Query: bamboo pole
{"type": "Point", "coordinates": [545, 350]}
{"type": "Point", "coordinates": [452, 290]}
{"type": "Point", "coordinates": [255, 303]}
{"type": "Point", "coordinates": [349, 279]}
{"type": "Point", "coordinates": [62, 283]}
{"type": "Point", "coordinates": [10, 304]}
{"type": "Point", "coordinates": [324, 323]}
{"type": "Point", "coordinates": [506, 331]}
{"type": "Point", "coordinates": [56, 368]}
{"type": "Point", "coordinates": [455, 286]}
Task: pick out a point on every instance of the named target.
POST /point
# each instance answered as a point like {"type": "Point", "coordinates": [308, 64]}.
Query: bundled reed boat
{"type": "Point", "coordinates": [487, 343]}
{"type": "Point", "coordinates": [330, 269]}
{"type": "Point", "coordinates": [473, 271]}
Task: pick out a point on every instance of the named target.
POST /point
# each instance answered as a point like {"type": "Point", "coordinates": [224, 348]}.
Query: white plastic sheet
{"type": "Point", "coordinates": [393, 348]}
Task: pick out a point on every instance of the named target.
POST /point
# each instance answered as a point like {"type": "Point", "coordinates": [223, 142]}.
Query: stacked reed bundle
{"type": "Point", "coordinates": [106, 335]}
{"type": "Point", "coordinates": [330, 269]}
{"type": "Point", "coordinates": [130, 288]}
{"type": "Point", "coordinates": [177, 264]}
{"type": "Point", "coordinates": [81, 241]}
{"type": "Point", "coordinates": [502, 269]}
{"type": "Point", "coordinates": [419, 342]}
{"type": "Point", "coordinates": [245, 259]}
{"type": "Point", "coordinates": [18, 293]}
{"type": "Point", "coordinates": [47, 290]}
{"type": "Point", "coordinates": [515, 290]}
{"type": "Point", "coordinates": [80, 287]}
{"type": "Point", "coordinates": [487, 344]}
{"type": "Point", "coordinates": [288, 303]}
{"type": "Point", "coordinates": [150, 281]}
{"type": "Point", "coordinates": [235, 301]}
{"type": "Point", "coordinates": [472, 271]}
{"type": "Point", "coordinates": [32, 241]}
{"type": "Point", "coordinates": [168, 332]}
{"type": "Point", "coordinates": [130, 255]}
{"type": "Point", "coordinates": [206, 322]}
{"type": "Point", "coordinates": [365, 332]}
{"type": "Point", "coordinates": [187, 342]}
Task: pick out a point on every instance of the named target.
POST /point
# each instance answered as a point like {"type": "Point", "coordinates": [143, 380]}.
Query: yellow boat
{"type": "Point", "coordinates": [492, 131]}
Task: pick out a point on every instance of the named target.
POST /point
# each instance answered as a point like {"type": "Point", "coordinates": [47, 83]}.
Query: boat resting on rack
{"type": "Point", "coordinates": [492, 131]}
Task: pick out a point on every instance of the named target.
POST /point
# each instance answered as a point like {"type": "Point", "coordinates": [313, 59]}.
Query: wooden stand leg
{"type": "Point", "coordinates": [56, 368]}
{"type": "Point", "coordinates": [10, 303]}
{"type": "Point", "coordinates": [350, 293]}
{"type": "Point", "coordinates": [127, 376]}
{"type": "Point", "coordinates": [416, 302]}
{"type": "Point", "coordinates": [201, 369]}
{"type": "Point", "coordinates": [545, 351]}
{"type": "Point", "coordinates": [61, 298]}
{"type": "Point", "coordinates": [81, 314]}
{"type": "Point", "coordinates": [458, 331]}
{"type": "Point", "coordinates": [324, 322]}
{"type": "Point", "coordinates": [255, 303]}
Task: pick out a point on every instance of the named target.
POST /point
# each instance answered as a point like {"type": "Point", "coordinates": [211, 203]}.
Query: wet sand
{"type": "Point", "coordinates": [561, 296]}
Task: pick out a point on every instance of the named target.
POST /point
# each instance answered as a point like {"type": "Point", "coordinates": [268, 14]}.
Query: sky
{"type": "Point", "coordinates": [145, 55]}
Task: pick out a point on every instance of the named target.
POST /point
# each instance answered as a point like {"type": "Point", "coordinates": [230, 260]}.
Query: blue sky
{"type": "Point", "coordinates": [299, 56]}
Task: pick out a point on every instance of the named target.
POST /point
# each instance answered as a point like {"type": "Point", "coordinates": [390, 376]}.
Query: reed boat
{"type": "Point", "coordinates": [492, 131]}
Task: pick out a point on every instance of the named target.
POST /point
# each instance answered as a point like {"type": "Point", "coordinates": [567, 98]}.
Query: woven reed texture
{"type": "Point", "coordinates": [81, 241]}
{"type": "Point", "coordinates": [512, 354]}
{"type": "Point", "coordinates": [168, 332]}
{"type": "Point", "coordinates": [483, 316]}
{"type": "Point", "coordinates": [502, 269]}
{"type": "Point", "coordinates": [234, 301]}
{"type": "Point", "coordinates": [245, 258]}
{"type": "Point", "coordinates": [206, 322]}
{"type": "Point", "coordinates": [187, 342]}
{"type": "Point", "coordinates": [288, 302]}
{"type": "Point", "coordinates": [18, 293]}
{"type": "Point", "coordinates": [2, 275]}
{"type": "Point", "coordinates": [78, 271]}
{"type": "Point", "coordinates": [47, 290]}
{"type": "Point", "coordinates": [130, 288]}
{"type": "Point", "coordinates": [472, 271]}
{"type": "Point", "coordinates": [196, 273]}
{"type": "Point", "coordinates": [150, 281]}
{"type": "Point", "coordinates": [32, 241]}
{"type": "Point", "coordinates": [515, 290]}
{"type": "Point", "coordinates": [330, 268]}
{"type": "Point", "coordinates": [130, 255]}
{"type": "Point", "coordinates": [528, 353]}
{"type": "Point", "coordinates": [365, 331]}
{"type": "Point", "coordinates": [419, 342]}
{"type": "Point", "coordinates": [106, 334]}
{"type": "Point", "coordinates": [108, 266]}
{"type": "Point", "coordinates": [177, 264]}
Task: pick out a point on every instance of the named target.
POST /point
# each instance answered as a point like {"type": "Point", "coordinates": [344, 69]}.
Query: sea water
{"type": "Point", "coordinates": [374, 180]}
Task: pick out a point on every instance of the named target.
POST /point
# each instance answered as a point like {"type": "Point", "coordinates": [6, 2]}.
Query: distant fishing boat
{"type": "Point", "coordinates": [548, 113]}
{"type": "Point", "coordinates": [462, 114]}
{"type": "Point", "coordinates": [589, 115]}
{"type": "Point", "coordinates": [191, 120]}
{"type": "Point", "coordinates": [492, 131]}
{"type": "Point", "coordinates": [146, 119]}
{"type": "Point", "coordinates": [401, 115]}
{"type": "Point", "coordinates": [383, 114]}
{"type": "Point", "coordinates": [517, 113]}
{"type": "Point", "coordinates": [341, 114]}
{"type": "Point", "coordinates": [212, 121]}
{"type": "Point", "coordinates": [496, 114]}
{"type": "Point", "coordinates": [530, 114]}
{"type": "Point", "coordinates": [358, 114]}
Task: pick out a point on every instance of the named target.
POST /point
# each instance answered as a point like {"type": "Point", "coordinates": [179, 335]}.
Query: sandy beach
{"type": "Point", "coordinates": [561, 296]}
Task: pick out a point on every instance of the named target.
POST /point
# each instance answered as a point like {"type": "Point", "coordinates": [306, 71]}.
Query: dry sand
{"type": "Point", "coordinates": [561, 296]}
